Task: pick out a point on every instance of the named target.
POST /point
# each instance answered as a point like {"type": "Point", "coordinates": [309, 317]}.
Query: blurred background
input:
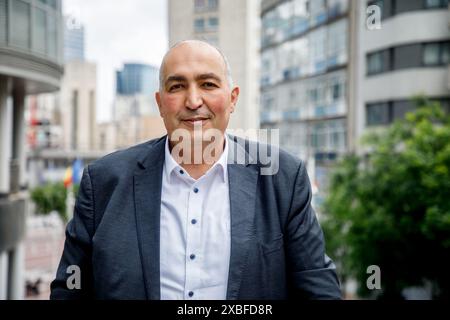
{"type": "Point", "coordinates": [358, 89]}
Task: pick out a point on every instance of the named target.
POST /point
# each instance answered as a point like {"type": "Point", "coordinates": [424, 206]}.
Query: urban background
{"type": "Point", "coordinates": [358, 89]}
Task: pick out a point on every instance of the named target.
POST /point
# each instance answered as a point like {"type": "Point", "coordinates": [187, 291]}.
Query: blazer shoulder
{"type": "Point", "coordinates": [124, 158]}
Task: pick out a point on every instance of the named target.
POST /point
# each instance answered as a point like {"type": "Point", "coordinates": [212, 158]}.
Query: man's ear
{"type": "Point", "coordinates": [234, 98]}
{"type": "Point", "coordinates": [158, 101]}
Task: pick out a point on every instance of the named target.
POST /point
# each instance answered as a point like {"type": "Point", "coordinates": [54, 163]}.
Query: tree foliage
{"type": "Point", "coordinates": [391, 206]}
{"type": "Point", "coordinates": [51, 197]}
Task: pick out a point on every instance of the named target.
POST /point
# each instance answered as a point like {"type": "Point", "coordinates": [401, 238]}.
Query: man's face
{"type": "Point", "coordinates": [195, 89]}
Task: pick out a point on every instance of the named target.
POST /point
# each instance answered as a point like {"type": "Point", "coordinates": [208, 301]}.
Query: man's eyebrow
{"type": "Point", "coordinates": [203, 76]}
{"type": "Point", "coordinates": [206, 76]}
{"type": "Point", "coordinates": [175, 78]}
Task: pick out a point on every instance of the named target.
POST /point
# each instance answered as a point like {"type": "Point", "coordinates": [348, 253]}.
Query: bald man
{"type": "Point", "coordinates": [194, 214]}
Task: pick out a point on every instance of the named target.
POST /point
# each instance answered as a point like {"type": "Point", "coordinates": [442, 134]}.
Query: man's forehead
{"type": "Point", "coordinates": [194, 47]}
{"type": "Point", "coordinates": [193, 51]}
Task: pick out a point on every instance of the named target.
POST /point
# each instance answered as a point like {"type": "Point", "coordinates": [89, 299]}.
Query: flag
{"type": "Point", "coordinates": [77, 169]}
{"type": "Point", "coordinates": [68, 176]}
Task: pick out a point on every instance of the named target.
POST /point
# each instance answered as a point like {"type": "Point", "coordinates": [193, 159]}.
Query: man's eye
{"type": "Point", "coordinates": [175, 87]}
{"type": "Point", "coordinates": [209, 85]}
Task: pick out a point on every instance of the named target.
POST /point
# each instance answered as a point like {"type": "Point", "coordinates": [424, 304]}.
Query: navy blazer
{"type": "Point", "coordinates": [277, 245]}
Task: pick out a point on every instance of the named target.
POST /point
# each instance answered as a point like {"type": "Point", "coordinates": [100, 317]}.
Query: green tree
{"type": "Point", "coordinates": [391, 207]}
{"type": "Point", "coordinates": [51, 197]}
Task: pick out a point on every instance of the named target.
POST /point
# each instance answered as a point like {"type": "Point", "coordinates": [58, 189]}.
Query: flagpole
{"type": "Point", "coordinates": [70, 202]}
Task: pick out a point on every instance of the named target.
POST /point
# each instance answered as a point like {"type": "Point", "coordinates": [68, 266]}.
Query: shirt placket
{"type": "Point", "coordinates": [193, 241]}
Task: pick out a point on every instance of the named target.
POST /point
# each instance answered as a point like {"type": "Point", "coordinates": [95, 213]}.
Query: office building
{"type": "Point", "coordinates": [305, 72]}
{"type": "Point", "coordinates": [408, 56]}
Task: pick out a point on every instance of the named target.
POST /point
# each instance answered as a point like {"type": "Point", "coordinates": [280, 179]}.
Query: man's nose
{"type": "Point", "coordinates": [194, 99]}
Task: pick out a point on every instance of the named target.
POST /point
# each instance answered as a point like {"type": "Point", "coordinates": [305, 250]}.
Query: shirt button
{"type": "Point", "coordinates": [193, 221]}
{"type": "Point", "coordinates": [192, 256]}
{"type": "Point", "coordinates": [190, 293]}
{"type": "Point", "coordinates": [181, 171]}
{"type": "Point", "coordinates": [196, 190]}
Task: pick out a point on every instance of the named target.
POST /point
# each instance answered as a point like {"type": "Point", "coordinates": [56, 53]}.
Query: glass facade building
{"type": "Point", "coordinates": [32, 27]}
{"type": "Point", "coordinates": [304, 77]}
{"type": "Point", "coordinates": [74, 40]}
{"type": "Point", "coordinates": [137, 79]}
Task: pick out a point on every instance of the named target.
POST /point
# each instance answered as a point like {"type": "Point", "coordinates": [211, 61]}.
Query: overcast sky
{"type": "Point", "coordinates": [117, 32]}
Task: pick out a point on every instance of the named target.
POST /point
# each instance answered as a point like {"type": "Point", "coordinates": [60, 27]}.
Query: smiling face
{"type": "Point", "coordinates": [195, 89]}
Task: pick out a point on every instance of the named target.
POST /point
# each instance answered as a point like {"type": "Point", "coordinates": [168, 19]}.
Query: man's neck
{"type": "Point", "coordinates": [197, 167]}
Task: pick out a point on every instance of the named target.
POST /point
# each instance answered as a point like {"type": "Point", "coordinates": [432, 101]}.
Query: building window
{"type": "Point", "coordinates": [51, 3]}
{"type": "Point", "coordinates": [199, 5]}
{"type": "Point", "coordinates": [337, 43]}
{"type": "Point", "coordinates": [409, 56]}
{"type": "Point", "coordinates": [318, 12]}
{"type": "Point", "coordinates": [391, 8]}
{"type": "Point", "coordinates": [336, 7]}
{"type": "Point", "coordinates": [336, 90]}
{"type": "Point", "coordinates": [434, 4]}
{"type": "Point", "coordinates": [52, 36]}
{"type": "Point", "coordinates": [40, 30]}
{"type": "Point", "coordinates": [206, 5]}
{"type": "Point", "coordinates": [386, 112]}
{"type": "Point", "coordinates": [199, 25]}
{"type": "Point", "coordinates": [377, 113]}
{"type": "Point", "coordinates": [213, 4]}
{"type": "Point", "coordinates": [436, 54]}
{"type": "Point", "coordinates": [20, 25]}
{"type": "Point", "coordinates": [385, 7]}
{"type": "Point", "coordinates": [431, 54]}
{"type": "Point", "coordinates": [375, 63]}
{"type": "Point", "coordinates": [213, 23]}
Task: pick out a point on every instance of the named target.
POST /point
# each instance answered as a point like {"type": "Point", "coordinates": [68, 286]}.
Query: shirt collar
{"type": "Point", "coordinates": [170, 165]}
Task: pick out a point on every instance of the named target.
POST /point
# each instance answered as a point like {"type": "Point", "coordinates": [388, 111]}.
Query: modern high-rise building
{"type": "Point", "coordinates": [407, 56]}
{"type": "Point", "coordinates": [305, 74]}
{"type": "Point", "coordinates": [137, 78]}
{"type": "Point", "coordinates": [234, 27]}
{"type": "Point", "coordinates": [74, 40]}
{"type": "Point", "coordinates": [136, 85]}
{"type": "Point", "coordinates": [30, 63]}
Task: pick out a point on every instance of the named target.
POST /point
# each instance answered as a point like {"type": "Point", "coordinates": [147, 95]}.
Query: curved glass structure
{"type": "Point", "coordinates": [31, 42]}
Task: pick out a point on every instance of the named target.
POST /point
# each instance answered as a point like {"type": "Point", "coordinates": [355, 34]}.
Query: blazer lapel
{"type": "Point", "coordinates": [147, 200]}
{"type": "Point", "coordinates": [242, 179]}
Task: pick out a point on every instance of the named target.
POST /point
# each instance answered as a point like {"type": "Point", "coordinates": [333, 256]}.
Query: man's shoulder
{"type": "Point", "coordinates": [125, 157]}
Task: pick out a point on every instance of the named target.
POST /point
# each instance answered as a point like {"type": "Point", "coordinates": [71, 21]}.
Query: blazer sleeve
{"type": "Point", "coordinates": [77, 247]}
{"type": "Point", "coordinates": [311, 271]}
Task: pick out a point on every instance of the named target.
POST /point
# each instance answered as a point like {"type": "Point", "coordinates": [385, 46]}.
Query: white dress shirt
{"type": "Point", "coordinates": [195, 231]}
